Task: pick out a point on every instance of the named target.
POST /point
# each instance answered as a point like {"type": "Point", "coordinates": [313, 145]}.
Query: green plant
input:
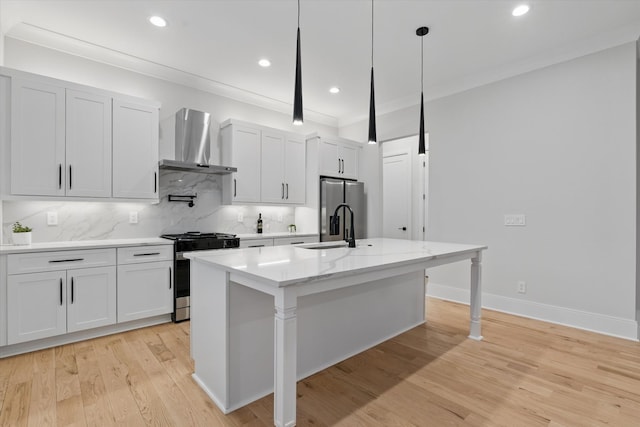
{"type": "Point", "coordinates": [19, 228]}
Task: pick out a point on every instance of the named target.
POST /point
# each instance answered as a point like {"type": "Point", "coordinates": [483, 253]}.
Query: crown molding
{"type": "Point", "coordinates": [559, 54]}
{"type": "Point", "coordinates": [61, 42]}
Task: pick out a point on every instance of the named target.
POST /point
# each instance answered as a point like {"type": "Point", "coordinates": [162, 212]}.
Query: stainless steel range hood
{"type": "Point", "coordinates": [193, 145]}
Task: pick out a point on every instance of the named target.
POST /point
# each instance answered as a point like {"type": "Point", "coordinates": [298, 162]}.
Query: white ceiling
{"type": "Point", "coordinates": [215, 44]}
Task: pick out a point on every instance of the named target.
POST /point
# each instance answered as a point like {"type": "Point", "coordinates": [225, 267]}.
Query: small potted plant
{"type": "Point", "coordinates": [21, 234]}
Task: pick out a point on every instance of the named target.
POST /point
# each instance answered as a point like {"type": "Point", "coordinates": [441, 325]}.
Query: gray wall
{"type": "Point", "coordinates": [559, 145]}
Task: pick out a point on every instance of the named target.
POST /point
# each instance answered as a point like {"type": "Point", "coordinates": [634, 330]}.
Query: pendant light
{"type": "Point", "coordinates": [373, 139]}
{"type": "Point", "coordinates": [421, 32]}
{"type": "Point", "coordinates": [297, 96]}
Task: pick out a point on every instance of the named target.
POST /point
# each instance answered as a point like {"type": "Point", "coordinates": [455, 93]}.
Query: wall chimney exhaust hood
{"type": "Point", "coordinates": [193, 145]}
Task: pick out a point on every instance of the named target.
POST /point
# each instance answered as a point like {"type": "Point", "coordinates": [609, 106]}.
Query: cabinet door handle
{"type": "Point", "coordinates": [170, 277]}
{"type": "Point", "coordinates": [72, 291]}
{"type": "Point", "coordinates": [61, 291]}
{"type": "Point", "coordinates": [155, 182]}
{"type": "Point", "coordinates": [147, 254]}
{"type": "Point", "coordinates": [60, 176]}
{"type": "Point", "coordinates": [70, 180]}
{"type": "Point", "coordinates": [256, 246]}
{"type": "Point", "coordinates": [282, 197]}
{"type": "Point", "coordinates": [342, 160]}
{"type": "Point", "coordinates": [402, 228]}
{"type": "Point", "coordinates": [235, 187]}
{"type": "Point", "coordinates": [66, 260]}
{"type": "Point", "coordinates": [287, 191]}
{"type": "Point", "coordinates": [295, 243]}
{"type": "Point", "coordinates": [339, 166]}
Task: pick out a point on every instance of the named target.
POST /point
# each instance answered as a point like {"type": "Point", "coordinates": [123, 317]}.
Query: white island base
{"type": "Point", "coordinates": [328, 307]}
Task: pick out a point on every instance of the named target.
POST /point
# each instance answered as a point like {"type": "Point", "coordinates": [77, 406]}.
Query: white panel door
{"type": "Point", "coordinates": [88, 144]}
{"type": "Point", "coordinates": [91, 298]}
{"type": "Point", "coordinates": [330, 164]}
{"type": "Point", "coordinates": [36, 306]}
{"type": "Point", "coordinates": [37, 138]}
{"type": "Point", "coordinates": [135, 150]}
{"type": "Point", "coordinates": [295, 170]}
{"type": "Point", "coordinates": [246, 150]}
{"type": "Point", "coordinates": [272, 168]}
{"type": "Point", "coordinates": [348, 156]}
{"type": "Point", "coordinates": [144, 290]}
{"type": "Point", "coordinates": [396, 191]}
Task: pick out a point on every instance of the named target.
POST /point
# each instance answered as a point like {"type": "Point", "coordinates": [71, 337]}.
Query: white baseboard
{"type": "Point", "coordinates": [594, 322]}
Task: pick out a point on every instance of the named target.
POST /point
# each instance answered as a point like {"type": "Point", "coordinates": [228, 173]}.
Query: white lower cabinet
{"type": "Point", "coordinates": [36, 306]}
{"type": "Point", "coordinates": [91, 298]}
{"type": "Point", "coordinates": [145, 282]}
{"type": "Point", "coordinates": [68, 299]}
{"type": "Point", "coordinates": [277, 241]}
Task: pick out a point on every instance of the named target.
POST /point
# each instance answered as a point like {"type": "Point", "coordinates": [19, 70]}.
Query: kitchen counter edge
{"type": "Point", "coordinates": [82, 244]}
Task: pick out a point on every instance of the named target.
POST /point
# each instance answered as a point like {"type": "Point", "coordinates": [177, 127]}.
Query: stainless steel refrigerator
{"type": "Point", "coordinates": [335, 191]}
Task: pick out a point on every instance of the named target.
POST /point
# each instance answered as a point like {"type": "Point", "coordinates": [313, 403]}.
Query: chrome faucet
{"type": "Point", "coordinates": [334, 227]}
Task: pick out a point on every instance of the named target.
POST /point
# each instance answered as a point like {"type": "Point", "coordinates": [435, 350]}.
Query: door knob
{"type": "Point", "coordinates": [402, 228]}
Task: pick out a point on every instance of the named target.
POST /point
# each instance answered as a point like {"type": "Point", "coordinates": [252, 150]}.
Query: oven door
{"type": "Point", "coordinates": [182, 289]}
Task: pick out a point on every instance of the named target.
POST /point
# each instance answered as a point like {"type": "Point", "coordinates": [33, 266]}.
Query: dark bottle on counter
{"type": "Point", "coordinates": [259, 223]}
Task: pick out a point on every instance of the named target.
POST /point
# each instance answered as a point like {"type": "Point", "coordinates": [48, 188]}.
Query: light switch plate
{"type": "Point", "coordinates": [133, 217]}
{"type": "Point", "coordinates": [240, 217]}
{"type": "Point", "coordinates": [52, 218]}
{"type": "Point", "coordinates": [515, 220]}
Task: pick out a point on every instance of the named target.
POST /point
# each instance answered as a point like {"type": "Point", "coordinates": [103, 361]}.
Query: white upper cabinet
{"type": "Point", "coordinates": [337, 158]}
{"type": "Point", "coordinates": [295, 169]}
{"type": "Point", "coordinates": [241, 149]}
{"type": "Point", "coordinates": [74, 141]}
{"type": "Point", "coordinates": [270, 162]}
{"type": "Point", "coordinates": [37, 138]}
{"type": "Point", "coordinates": [272, 173]}
{"type": "Point", "coordinates": [88, 147]}
{"type": "Point", "coordinates": [135, 150]}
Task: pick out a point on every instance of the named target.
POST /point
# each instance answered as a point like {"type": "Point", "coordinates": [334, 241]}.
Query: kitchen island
{"type": "Point", "coordinates": [328, 303]}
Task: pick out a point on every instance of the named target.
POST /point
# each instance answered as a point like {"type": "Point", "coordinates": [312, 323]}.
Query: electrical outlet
{"type": "Point", "coordinates": [240, 217]}
{"type": "Point", "coordinates": [515, 220]}
{"type": "Point", "coordinates": [522, 287]}
{"type": "Point", "coordinates": [52, 218]}
{"type": "Point", "coordinates": [279, 216]}
{"type": "Point", "coordinates": [133, 217]}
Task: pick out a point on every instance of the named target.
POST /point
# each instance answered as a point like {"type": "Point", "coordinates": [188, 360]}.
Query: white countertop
{"type": "Point", "coordinates": [83, 244]}
{"type": "Point", "coordinates": [273, 235]}
{"type": "Point", "coordinates": [285, 265]}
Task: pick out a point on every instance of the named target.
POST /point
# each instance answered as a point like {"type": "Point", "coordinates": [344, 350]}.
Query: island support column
{"type": "Point", "coordinates": [285, 346]}
{"type": "Point", "coordinates": [475, 331]}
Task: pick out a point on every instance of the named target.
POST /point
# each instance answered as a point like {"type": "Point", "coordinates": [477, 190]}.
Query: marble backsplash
{"type": "Point", "coordinates": [102, 220]}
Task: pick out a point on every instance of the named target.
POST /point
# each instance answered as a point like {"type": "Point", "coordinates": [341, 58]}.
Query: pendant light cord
{"type": "Point", "coordinates": [422, 64]}
{"type": "Point", "coordinates": [371, 33]}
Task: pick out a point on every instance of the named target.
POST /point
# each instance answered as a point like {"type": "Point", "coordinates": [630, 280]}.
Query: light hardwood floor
{"type": "Point", "coordinates": [524, 373]}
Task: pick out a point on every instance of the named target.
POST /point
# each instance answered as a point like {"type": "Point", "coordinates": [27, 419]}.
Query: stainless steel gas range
{"type": "Point", "coordinates": [188, 242]}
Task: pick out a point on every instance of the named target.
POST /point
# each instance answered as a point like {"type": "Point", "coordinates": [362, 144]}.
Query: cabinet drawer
{"type": "Point", "coordinates": [60, 260]}
{"type": "Point", "coordinates": [138, 254]}
{"type": "Point", "coordinates": [294, 240]}
{"type": "Point", "coordinates": [256, 243]}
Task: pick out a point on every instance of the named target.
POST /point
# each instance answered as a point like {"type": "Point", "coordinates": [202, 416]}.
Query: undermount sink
{"type": "Point", "coordinates": [338, 245]}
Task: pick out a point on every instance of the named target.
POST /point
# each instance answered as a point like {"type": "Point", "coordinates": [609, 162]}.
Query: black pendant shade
{"type": "Point", "coordinates": [372, 114]}
{"type": "Point", "coordinates": [297, 96]}
{"type": "Point", "coordinates": [421, 149]}
{"type": "Point", "coordinates": [421, 32]}
{"type": "Point", "coordinates": [373, 138]}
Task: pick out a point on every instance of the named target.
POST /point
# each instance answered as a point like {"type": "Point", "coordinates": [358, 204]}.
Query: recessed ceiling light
{"type": "Point", "coordinates": [334, 89]}
{"type": "Point", "coordinates": [158, 21]}
{"type": "Point", "coordinates": [520, 10]}
{"type": "Point", "coordinates": [264, 63]}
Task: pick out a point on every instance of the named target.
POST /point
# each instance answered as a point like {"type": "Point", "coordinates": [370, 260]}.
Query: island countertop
{"type": "Point", "coordinates": [281, 266]}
